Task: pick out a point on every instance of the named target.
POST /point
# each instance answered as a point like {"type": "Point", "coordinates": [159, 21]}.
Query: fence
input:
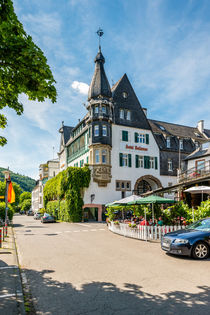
{"type": "Point", "coordinates": [145, 233]}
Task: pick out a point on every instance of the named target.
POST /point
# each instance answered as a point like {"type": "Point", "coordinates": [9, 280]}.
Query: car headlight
{"type": "Point", "coordinates": [180, 241]}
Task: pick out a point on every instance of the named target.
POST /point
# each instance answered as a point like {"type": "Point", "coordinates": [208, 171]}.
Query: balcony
{"type": "Point", "coordinates": [194, 173]}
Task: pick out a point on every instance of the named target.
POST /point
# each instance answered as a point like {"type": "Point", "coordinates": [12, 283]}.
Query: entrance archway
{"type": "Point", "coordinates": [146, 183]}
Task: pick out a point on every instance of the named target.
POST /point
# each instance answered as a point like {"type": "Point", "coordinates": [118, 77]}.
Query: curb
{"type": "Point", "coordinates": [20, 294]}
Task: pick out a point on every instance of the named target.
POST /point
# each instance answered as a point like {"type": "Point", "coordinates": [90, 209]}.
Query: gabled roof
{"type": "Point", "coordinates": [198, 153]}
{"type": "Point", "coordinates": [170, 129]}
{"type": "Point", "coordinates": [128, 103]}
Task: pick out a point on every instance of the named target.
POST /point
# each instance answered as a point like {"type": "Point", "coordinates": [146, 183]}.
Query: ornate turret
{"type": "Point", "coordinates": [99, 85]}
{"type": "Point", "coordinates": [100, 108]}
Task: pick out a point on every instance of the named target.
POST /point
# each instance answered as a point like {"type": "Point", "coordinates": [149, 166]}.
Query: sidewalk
{"type": "Point", "coordinates": [11, 296]}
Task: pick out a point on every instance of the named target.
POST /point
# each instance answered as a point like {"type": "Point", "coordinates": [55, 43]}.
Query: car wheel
{"type": "Point", "coordinates": [200, 251]}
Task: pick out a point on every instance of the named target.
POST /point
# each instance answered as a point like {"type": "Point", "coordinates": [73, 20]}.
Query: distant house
{"type": "Point", "coordinates": [46, 171]}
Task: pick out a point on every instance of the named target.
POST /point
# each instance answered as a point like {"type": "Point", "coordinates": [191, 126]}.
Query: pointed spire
{"type": "Point", "coordinates": [99, 84]}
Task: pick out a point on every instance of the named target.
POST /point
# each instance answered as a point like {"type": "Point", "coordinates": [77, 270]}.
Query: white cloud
{"type": "Point", "coordinates": [80, 87]}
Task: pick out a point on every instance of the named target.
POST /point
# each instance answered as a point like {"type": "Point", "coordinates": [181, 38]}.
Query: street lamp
{"type": "Point", "coordinates": [7, 178]}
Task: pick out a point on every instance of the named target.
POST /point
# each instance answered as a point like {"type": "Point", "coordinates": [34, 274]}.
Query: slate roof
{"type": "Point", "coordinates": [198, 153]}
{"type": "Point", "coordinates": [99, 84]}
{"type": "Point", "coordinates": [138, 118]}
{"type": "Point", "coordinates": [207, 132]}
{"type": "Point", "coordinates": [66, 130]}
{"type": "Point", "coordinates": [170, 129]}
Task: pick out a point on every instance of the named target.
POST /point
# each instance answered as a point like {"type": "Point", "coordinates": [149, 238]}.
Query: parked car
{"type": "Point", "coordinates": [37, 216]}
{"type": "Point", "coordinates": [30, 212]}
{"type": "Point", "coordinates": [193, 241]}
{"type": "Point", "coordinates": [22, 212]}
{"type": "Point", "coordinates": [47, 218]}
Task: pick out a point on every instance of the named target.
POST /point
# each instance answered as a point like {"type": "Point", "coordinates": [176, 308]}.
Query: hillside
{"type": "Point", "coordinates": [25, 182]}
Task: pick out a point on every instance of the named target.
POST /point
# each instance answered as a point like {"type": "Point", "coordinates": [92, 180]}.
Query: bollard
{"type": "Point", "coordinates": [6, 229]}
{"type": "Point", "coordinates": [0, 239]}
{"type": "Point", "coordinates": [2, 235]}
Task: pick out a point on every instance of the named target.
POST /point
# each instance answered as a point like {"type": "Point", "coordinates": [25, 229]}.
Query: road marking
{"type": "Point", "coordinates": [67, 231]}
{"type": "Point", "coordinates": [83, 224]}
{"type": "Point", "coordinates": [76, 231]}
{"type": "Point", "coordinates": [9, 267]}
{"type": "Point", "coordinates": [102, 229]}
{"type": "Point", "coordinates": [84, 230]}
{"type": "Point", "coordinates": [93, 230]}
{"type": "Point", "coordinates": [10, 295]}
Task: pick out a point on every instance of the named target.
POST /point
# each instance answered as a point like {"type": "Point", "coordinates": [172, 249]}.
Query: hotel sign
{"type": "Point", "coordinates": [135, 147]}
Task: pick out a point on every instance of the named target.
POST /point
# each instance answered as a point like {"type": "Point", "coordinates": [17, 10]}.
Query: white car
{"type": "Point", "coordinates": [37, 216]}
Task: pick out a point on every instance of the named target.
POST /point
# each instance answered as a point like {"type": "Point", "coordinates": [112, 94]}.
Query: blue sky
{"type": "Point", "coordinates": [162, 45]}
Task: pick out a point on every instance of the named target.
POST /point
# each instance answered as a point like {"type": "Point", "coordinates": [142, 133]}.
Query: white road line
{"type": "Point", "coordinates": [10, 295]}
{"type": "Point", "coordinates": [102, 229]}
{"type": "Point", "coordinates": [9, 267]}
{"type": "Point", "coordinates": [83, 224]}
{"type": "Point", "coordinates": [93, 230]}
{"type": "Point", "coordinates": [76, 231]}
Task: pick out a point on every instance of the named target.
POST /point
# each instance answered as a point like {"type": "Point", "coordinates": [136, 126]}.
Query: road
{"type": "Point", "coordinates": [83, 268]}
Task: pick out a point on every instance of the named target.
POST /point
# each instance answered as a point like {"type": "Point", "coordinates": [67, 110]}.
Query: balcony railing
{"type": "Point", "coordinates": [195, 172]}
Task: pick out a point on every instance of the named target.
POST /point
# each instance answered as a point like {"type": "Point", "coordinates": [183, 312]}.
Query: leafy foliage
{"type": "Point", "coordinates": [26, 183]}
{"type": "Point", "coordinates": [63, 193]}
{"type": "Point", "coordinates": [23, 66]}
{"type": "Point", "coordinates": [25, 195]}
{"type": "Point", "coordinates": [25, 205]}
{"type": "Point", "coordinates": [10, 211]}
{"type": "Point", "coordinates": [203, 210]}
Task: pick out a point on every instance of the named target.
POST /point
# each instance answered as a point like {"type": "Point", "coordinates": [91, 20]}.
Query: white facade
{"type": "Point", "coordinates": [102, 195]}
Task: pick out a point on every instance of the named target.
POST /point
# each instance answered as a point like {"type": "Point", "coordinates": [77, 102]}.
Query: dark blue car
{"type": "Point", "coordinates": [193, 241]}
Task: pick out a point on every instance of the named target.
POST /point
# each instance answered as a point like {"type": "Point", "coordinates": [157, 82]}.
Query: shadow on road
{"type": "Point", "coordinates": [97, 298]}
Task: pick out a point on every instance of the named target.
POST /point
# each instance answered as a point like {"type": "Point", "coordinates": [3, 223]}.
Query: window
{"type": "Point", "coordinates": [141, 138]}
{"type": "Point", "coordinates": [128, 117]}
{"type": "Point", "coordinates": [96, 130]}
{"type": "Point", "coordinates": [96, 109]}
{"type": "Point", "coordinates": [117, 185]}
{"type": "Point", "coordinates": [104, 109]}
{"type": "Point", "coordinates": [124, 94]}
{"type": "Point", "coordinates": [139, 161]}
{"type": "Point", "coordinates": [124, 135]}
{"type": "Point", "coordinates": [87, 159]}
{"type": "Point", "coordinates": [170, 165]}
{"type": "Point", "coordinates": [121, 114]}
{"type": "Point", "coordinates": [168, 142]}
{"type": "Point", "coordinates": [81, 163]}
{"type": "Point", "coordinates": [128, 185]}
{"type": "Point", "coordinates": [104, 130]}
{"type": "Point", "coordinates": [122, 185]}
{"type": "Point", "coordinates": [125, 159]}
{"type": "Point", "coordinates": [181, 144]}
{"type": "Point", "coordinates": [96, 156]}
{"type": "Point", "coordinates": [104, 156]}
{"type": "Point", "coordinates": [152, 162]}
{"type": "Point", "coordinates": [196, 144]}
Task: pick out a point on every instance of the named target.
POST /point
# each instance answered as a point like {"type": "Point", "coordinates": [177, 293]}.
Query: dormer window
{"type": "Point", "coordinates": [121, 113]}
{"type": "Point", "coordinates": [168, 142]}
{"type": "Point", "coordinates": [170, 165]}
{"type": "Point", "coordinates": [128, 116]}
{"type": "Point", "coordinates": [196, 144]}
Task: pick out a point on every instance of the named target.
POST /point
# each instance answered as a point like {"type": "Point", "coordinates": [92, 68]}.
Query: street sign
{"type": "Point", "coordinates": [2, 197]}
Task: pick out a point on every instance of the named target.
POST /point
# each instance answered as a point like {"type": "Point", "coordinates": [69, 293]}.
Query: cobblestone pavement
{"type": "Point", "coordinates": [83, 268]}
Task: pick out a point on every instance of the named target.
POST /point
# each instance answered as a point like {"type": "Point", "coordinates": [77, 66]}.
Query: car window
{"type": "Point", "coordinates": [201, 225]}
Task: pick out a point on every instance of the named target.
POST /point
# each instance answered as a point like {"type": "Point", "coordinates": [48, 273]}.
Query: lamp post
{"type": "Point", "coordinates": [7, 178]}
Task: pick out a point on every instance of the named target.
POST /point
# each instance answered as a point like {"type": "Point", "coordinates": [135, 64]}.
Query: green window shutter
{"type": "Point", "coordinates": [156, 163]}
{"type": "Point", "coordinates": [137, 161]}
{"type": "Point", "coordinates": [87, 159]}
{"type": "Point", "coordinates": [136, 138]}
{"type": "Point", "coordinates": [121, 159]}
{"type": "Point", "coordinates": [147, 139]}
{"type": "Point", "coordinates": [129, 160]}
{"type": "Point", "coordinates": [146, 162]}
{"type": "Point", "coordinates": [124, 135]}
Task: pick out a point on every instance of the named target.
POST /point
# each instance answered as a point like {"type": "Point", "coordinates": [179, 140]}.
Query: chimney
{"type": "Point", "coordinates": [200, 126]}
{"type": "Point", "coordinates": [145, 111]}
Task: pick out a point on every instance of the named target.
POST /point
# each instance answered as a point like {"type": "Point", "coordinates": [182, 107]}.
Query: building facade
{"type": "Point", "coordinates": [126, 152]}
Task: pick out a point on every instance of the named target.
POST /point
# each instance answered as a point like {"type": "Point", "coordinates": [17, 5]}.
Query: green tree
{"type": "Point", "coordinates": [26, 205]}
{"type": "Point", "coordinates": [25, 195]}
{"type": "Point", "coordinates": [10, 211]}
{"type": "Point", "coordinates": [23, 66]}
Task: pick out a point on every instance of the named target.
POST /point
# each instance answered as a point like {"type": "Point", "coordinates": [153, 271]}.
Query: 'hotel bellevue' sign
{"type": "Point", "coordinates": [132, 147]}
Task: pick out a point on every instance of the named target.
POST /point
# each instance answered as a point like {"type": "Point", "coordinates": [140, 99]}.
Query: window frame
{"type": "Point", "coordinates": [104, 127]}
{"type": "Point", "coordinates": [96, 127]}
{"type": "Point", "coordinates": [97, 156]}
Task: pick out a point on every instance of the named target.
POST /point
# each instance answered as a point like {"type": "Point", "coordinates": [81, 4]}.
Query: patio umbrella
{"type": "Point", "coordinates": [199, 190]}
{"type": "Point", "coordinates": [151, 200]}
{"type": "Point", "coordinates": [123, 201]}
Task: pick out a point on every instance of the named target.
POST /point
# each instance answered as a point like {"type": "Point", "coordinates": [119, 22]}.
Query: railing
{"type": "Point", "coordinates": [195, 172]}
{"type": "Point", "coordinates": [140, 232]}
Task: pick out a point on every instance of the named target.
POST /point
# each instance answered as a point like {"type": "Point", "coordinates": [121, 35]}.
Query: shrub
{"type": "Point", "coordinates": [10, 211]}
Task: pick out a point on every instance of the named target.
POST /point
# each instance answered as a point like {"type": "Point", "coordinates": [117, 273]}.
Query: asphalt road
{"type": "Point", "coordinates": [84, 269]}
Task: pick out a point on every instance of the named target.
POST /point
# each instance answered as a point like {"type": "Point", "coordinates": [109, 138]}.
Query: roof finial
{"type": "Point", "coordinates": [99, 33]}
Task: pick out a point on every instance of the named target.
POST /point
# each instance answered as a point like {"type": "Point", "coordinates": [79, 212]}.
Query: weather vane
{"type": "Point", "coordinates": [100, 33]}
